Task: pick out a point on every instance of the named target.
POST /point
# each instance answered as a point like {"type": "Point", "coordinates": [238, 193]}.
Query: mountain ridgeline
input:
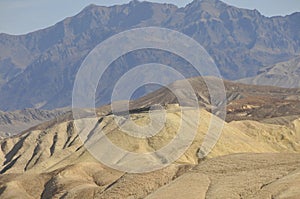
{"type": "Point", "coordinates": [37, 70]}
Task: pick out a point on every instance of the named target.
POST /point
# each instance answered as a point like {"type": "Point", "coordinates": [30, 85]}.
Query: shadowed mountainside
{"type": "Point", "coordinates": [244, 102]}
{"type": "Point", "coordinates": [38, 69]}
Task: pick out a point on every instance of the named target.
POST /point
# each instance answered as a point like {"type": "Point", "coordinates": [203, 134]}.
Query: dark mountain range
{"type": "Point", "coordinates": [38, 69]}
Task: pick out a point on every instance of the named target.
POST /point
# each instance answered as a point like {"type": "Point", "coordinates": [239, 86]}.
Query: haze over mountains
{"type": "Point", "coordinates": [283, 74]}
{"type": "Point", "coordinates": [38, 69]}
{"type": "Point", "coordinates": [17, 121]}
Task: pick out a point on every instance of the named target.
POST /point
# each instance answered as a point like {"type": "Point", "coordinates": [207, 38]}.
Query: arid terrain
{"type": "Point", "coordinates": [256, 156]}
{"type": "Point", "coordinates": [214, 110]}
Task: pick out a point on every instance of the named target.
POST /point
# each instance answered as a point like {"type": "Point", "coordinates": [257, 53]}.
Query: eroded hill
{"type": "Point", "coordinates": [51, 161]}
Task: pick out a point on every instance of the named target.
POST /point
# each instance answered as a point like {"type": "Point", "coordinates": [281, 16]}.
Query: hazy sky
{"type": "Point", "coordinates": [23, 16]}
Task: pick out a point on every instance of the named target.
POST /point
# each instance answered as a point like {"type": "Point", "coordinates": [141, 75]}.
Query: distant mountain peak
{"type": "Point", "coordinates": [195, 2]}
{"type": "Point", "coordinates": [134, 2]}
{"type": "Point", "coordinates": [210, 1]}
{"type": "Point", "coordinates": [91, 6]}
{"type": "Point", "coordinates": [207, 4]}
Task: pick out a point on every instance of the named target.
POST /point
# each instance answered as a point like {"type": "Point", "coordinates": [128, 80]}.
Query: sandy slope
{"type": "Point", "coordinates": [233, 176]}
{"type": "Point", "coordinates": [50, 161]}
{"type": "Point", "coordinates": [41, 150]}
{"type": "Point", "coordinates": [238, 176]}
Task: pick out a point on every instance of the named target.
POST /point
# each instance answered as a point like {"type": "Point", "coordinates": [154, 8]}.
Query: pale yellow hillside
{"type": "Point", "coordinates": [59, 145]}
{"type": "Point", "coordinates": [250, 160]}
{"type": "Point", "coordinates": [283, 138]}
